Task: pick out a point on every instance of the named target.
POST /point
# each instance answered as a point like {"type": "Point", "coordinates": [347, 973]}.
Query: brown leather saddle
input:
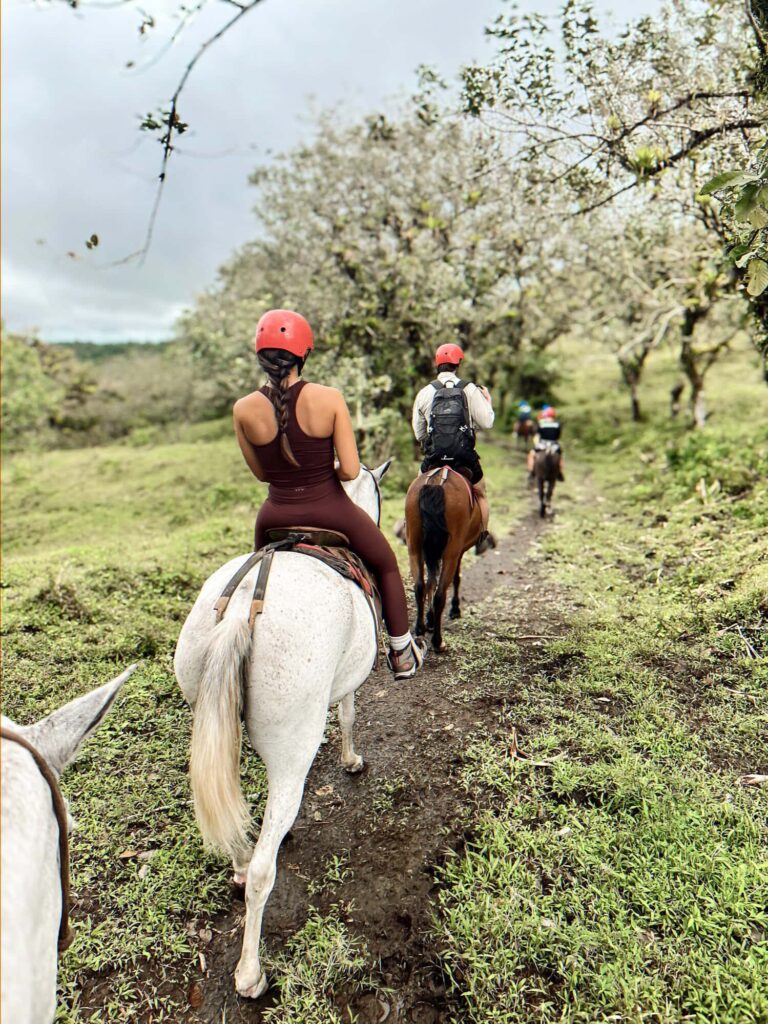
{"type": "Point", "coordinates": [327, 546]}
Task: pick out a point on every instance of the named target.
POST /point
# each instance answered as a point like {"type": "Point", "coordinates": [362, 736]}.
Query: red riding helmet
{"type": "Point", "coordinates": [448, 354]}
{"type": "Point", "coordinates": [548, 413]}
{"type": "Point", "coordinates": [283, 329]}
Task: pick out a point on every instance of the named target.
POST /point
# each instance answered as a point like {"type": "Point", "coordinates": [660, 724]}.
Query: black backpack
{"type": "Point", "coordinates": [449, 432]}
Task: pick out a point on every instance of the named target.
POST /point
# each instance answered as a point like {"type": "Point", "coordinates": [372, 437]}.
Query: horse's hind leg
{"type": "Point", "coordinates": [447, 575]}
{"type": "Point", "coordinates": [455, 612]}
{"type": "Point", "coordinates": [352, 762]}
{"type": "Point", "coordinates": [542, 500]}
{"type": "Point", "coordinates": [288, 759]}
{"type": "Point", "coordinates": [417, 575]}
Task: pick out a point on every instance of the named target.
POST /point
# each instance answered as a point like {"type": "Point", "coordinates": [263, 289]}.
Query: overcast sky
{"type": "Point", "coordinates": [75, 163]}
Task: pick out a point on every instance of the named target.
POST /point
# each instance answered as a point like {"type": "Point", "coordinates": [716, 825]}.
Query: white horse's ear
{"type": "Point", "coordinates": [58, 737]}
{"type": "Point", "coordinates": [382, 469]}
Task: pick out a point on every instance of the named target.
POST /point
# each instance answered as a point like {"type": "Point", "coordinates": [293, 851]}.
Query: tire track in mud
{"type": "Point", "coordinates": [393, 823]}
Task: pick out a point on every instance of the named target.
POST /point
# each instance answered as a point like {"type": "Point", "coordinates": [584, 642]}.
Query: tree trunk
{"type": "Point", "coordinates": [631, 375]}
{"type": "Point", "coordinates": [674, 398]}
{"type": "Point", "coordinates": [698, 404]}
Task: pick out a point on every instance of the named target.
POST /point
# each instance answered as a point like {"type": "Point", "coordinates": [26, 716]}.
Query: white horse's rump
{"type": "Point", "coordinates": [312, 646]}
{"type": "Point", "coordinates": [31, 884]}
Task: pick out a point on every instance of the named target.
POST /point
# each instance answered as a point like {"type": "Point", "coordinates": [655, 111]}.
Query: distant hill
{"type": "Point", "coordinates": [99, 352]}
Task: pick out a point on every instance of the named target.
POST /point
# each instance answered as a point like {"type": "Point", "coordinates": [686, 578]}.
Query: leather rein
{"type": "Point", "coordinates": [66, 934]}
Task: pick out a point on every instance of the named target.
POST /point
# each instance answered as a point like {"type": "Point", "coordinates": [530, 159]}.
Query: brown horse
{"type": "Point", "coordinates": [546, 467]}
{"type": "Point", "coordinates": [443, 520]}
{"type": "Point", "coordinates": [525, 430]}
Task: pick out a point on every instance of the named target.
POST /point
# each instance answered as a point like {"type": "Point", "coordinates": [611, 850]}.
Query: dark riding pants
{"type": "Point", "coordinates": [328, 507]}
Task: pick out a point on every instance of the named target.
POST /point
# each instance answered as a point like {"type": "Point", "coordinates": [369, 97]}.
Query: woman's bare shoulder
{"type": "Point", "coordinates": [249, 403]}
{"type": "Point", "coordinates": [322, 392]}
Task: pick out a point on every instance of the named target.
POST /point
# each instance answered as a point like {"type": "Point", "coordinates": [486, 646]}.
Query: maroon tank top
{"type": "Point", "coordinates": [314, 455]}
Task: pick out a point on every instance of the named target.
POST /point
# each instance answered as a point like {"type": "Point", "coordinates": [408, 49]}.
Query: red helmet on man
{"type": "Point", "coordinates": [448, 354]}
{"type": "Point", "coordinates": [548, 413]}
{"type": "Point", "coordinates": [286, 330]}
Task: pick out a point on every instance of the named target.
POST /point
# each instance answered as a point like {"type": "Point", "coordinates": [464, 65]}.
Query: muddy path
{"type": "Point", "coordinates": [390, 825]}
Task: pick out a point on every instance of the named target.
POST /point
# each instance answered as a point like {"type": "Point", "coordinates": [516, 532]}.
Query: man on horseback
{"type": "Point", "coordinates": [289, 432]}
{"type": "Point", "coordinates": [548, 436]}
{"type": "Point", "coordinates": [446, 414]}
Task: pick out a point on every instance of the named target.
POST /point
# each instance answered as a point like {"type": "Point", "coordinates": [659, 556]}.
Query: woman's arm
{"type": "Point", "coordinates": [344, 441]}
{"type": "Point", "coordinates": [245, 445]}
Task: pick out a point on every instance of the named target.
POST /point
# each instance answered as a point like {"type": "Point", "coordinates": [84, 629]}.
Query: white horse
{"type": "Point", "coordinates": [31, 883]}
{"type": "Point", "coordinates": [312, 646]}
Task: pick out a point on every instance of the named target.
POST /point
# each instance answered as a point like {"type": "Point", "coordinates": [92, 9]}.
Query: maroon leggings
{"type": "Point", "coordinates": [328, 507]}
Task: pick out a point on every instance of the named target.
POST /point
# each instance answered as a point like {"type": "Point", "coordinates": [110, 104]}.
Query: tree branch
{"type": "Point", "coordinates": [172, 128]}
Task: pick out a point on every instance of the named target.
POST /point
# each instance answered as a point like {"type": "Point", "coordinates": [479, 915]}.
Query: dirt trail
{"type": "Point", "coordinates": [391, 824]}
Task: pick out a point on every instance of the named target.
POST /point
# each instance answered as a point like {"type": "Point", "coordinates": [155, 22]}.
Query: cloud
{"type": "Point", "coordinates": [75, 163]}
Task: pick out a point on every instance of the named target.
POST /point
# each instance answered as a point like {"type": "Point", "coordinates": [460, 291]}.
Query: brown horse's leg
{"type": "Point", "coordinates": [416, 560]}
{"type": "Point", "coordinates": [455, 612]}
{"type": "Point", "coordinates": [448, 572]}
{"type": "Point", "coordinates": [541, 479]}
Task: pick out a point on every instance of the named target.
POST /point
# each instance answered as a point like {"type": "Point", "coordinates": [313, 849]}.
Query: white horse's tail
{"type": "Point", "coordinates": [214, 763]}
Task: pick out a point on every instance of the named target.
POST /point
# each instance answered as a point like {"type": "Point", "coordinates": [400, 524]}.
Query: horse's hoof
{"type": "Point", "coordinates": [439, 648]}
{"type": "Point", "coordinates": [356, 767]}
{"type": "Point", "coordinates": [238, 879]}
{"type": "Point", "coordinates": [454, 613]}
{"type": "Point", "coordinates": [250, 989]}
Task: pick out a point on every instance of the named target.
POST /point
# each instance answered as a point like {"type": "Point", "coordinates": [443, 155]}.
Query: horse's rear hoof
{"type": "Point", "coordinates": [543, 511]}
{"type": "Point", "coordinates": [440, 647]}
{"type": "Point", "coordinates": [454, 613]}
{"type": "Point", "coordinates": [356, 767]}
{"type": "Point", "coordinates": [253, 990]}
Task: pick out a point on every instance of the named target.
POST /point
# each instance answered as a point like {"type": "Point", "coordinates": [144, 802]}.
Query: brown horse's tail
{"type": "Point", "coordinates": [433, 526]}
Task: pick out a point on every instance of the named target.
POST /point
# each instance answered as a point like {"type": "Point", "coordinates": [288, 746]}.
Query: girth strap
{"type": "Point", "coordinates": [66, 934]}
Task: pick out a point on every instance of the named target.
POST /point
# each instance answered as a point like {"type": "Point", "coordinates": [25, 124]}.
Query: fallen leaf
{"type": "Point", "coordinates": [203, 962]}
{"type": "Point", "coordinates": [324, 791]}
{"type": "Point", "coordinates": [143, 870]}
{"type": "Point", "coordinates": [205, 934]}
{"type": "Point", "coordinates": [195, 995]}
{"type": "Point", "coordinates": [380, 693]}
{"type": "Point", "coordinates": [753, 780]}
{"type": "Point", "coordinates": [128, 854]}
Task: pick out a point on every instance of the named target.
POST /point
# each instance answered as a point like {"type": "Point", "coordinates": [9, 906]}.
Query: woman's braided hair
{"type": "Point", "coordinates": [277, 365]}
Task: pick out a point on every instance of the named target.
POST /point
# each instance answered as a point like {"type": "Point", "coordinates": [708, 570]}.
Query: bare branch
{"type": "Point", "coordinates": [172, 129]}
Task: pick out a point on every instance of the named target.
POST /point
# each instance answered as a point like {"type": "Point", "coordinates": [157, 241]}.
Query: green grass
{"type": "Point", "coordinates": [627, 880]}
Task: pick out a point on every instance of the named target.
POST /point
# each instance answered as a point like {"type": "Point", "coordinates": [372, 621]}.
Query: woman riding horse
{"type": "Point", "coordinates": [288, 431]}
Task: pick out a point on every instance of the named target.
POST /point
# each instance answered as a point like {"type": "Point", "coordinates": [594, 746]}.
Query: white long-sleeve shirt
{"type": "Point", "coordinates": [480, 408]}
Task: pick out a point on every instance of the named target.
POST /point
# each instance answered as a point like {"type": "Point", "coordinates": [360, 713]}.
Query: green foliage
{"type": "Point", "coordinates": [624, 879]}
{"type": "Point", "coordinates": [29, 397]}
{"type": "Point", "coordinates": [392, 236]}
{"type": "Point", "coordinates": [744, 208]}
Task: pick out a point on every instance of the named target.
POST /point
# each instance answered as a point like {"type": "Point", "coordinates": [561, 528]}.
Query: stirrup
{"type": "Point", "coordinates": [406, 663]}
